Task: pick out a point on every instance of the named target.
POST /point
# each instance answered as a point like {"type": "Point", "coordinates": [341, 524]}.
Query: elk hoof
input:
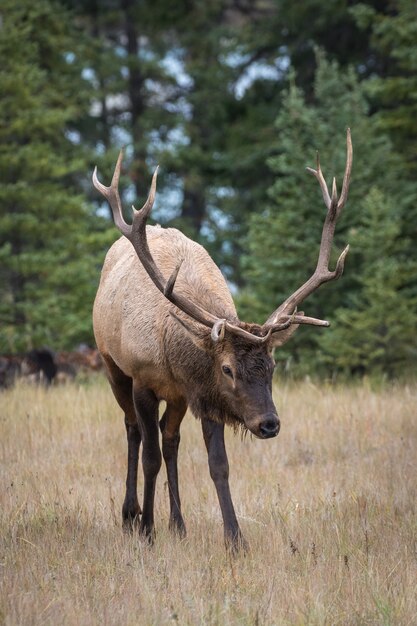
{"type": "Point", "coordinates": [177, 527]}
{"type": "Point", "coordinates": [236, 545]}
{"type": "Point", "coordinates": [131, 513]}
{"type": "Point", "coordinates": [147, 533]}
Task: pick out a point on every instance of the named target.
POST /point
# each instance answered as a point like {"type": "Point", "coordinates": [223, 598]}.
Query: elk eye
{"type": "Point", "coordinates": [226, 370]}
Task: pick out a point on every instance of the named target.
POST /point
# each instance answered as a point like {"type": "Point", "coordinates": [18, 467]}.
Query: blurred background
{"type": "Point", "coordinates": [232, 98]}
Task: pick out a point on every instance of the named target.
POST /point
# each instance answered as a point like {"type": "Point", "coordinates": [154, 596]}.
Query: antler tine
{"type": "Point", "coordinates": [112, 196]}
{"type": "Point", "coordinates": [147, 207]}
{"type": "Point", "coordinates": [311, 321]}
{"type": "Point", "coordinates": [169, 286]}
{"type": "Point", "coordinates": [322, 274]}
{"type": "Point", "coordinates": [340, 265]}
{"type": "Point", "coordinates": [323, 185]}
{"type": "Point", "coordinates": [286, 320]}
{"type": "Point", "coordinates": [348, 170]}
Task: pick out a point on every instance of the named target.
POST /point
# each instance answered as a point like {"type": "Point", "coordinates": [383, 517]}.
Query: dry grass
{"type": "Point", "coordinates": [329, 510]}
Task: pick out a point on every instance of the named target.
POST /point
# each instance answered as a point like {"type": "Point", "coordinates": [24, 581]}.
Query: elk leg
{"type": "Point", "coordinates": [131, 509]}
{"type": "Point", "coordinates": [170, 428]}
{"type": "Point", "coordinates": [219, 471]}
{"type": "Point", "coordinates": [146, 407]}
{"type": "Point", "coordinates": [122, 390]}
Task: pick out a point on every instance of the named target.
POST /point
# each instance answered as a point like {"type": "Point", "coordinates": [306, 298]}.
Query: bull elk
{"type": "Point", "coordinates": [167, 329]}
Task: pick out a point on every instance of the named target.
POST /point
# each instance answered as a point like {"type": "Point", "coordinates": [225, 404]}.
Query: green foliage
{"type": "Point", "coordinates": [394, 90]}
{"type": "Point", "coordinates": [284, 239]}
{"type": "Point", "coordinates": [375, 331]}
{"type": "Point", "coordinates": [231, 100]}
{"type": "Point", "coordinates": [48, 258]}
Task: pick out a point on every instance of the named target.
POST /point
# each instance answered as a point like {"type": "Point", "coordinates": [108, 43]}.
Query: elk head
{"type": "Point", "coordinates": [241, 353]}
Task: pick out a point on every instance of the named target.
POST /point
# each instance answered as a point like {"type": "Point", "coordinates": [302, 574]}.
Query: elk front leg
{"type": "Point", "coordinates": [219, 471]}
{"type": "Point", "coordinates": [170, 428]}
{"type": "Point", "coordinates": [146, 407]}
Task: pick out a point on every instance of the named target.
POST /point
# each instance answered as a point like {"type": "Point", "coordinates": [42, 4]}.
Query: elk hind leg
{"type": "Point", "coordinates": [146, 407]}
{"type": "Point", "coordinates": [170, 428]}
{"type": "Point", "coordinates": [122, 390]}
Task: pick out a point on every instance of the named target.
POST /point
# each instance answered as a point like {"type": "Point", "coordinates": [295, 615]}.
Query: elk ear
{"type": "Point", "coordinates": [282, 336]}
{"type": "Point", "coordinates": [218, 330]}
{"type": "Point", "coordinates": [198, 334]}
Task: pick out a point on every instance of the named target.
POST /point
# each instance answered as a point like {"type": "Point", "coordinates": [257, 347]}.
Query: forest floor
{"type": "Point", "coordinates": [328, 509]}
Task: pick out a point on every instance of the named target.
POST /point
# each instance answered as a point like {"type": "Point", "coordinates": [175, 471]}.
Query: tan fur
{"type": "Point", "coordinates": [131, 317]}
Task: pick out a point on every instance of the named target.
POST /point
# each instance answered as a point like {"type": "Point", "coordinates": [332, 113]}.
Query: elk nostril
{"type": "Point", "coordinates": [269, 427]}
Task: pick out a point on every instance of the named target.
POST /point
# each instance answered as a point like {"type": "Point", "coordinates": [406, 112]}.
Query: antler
{"type": "Point", "coordinates": [284, 316]}
{"type": "Point", "coordinates": [322, 274]}
{"type": "Point", "coordinates": [136, 233]}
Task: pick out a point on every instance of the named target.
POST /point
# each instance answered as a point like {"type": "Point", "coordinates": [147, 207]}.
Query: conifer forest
{"type": "Point", "coordinates": [232, 98]}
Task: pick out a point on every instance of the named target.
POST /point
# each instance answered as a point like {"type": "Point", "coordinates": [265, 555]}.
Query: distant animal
{"type": "Point", "coordinates": [84, 360]}
{"type": "Point", "coordinates": [46, 367]}
{"type": "Point", "coordinates": [167, 329]}
{"type": "Point", "coordinates": [39, 365]}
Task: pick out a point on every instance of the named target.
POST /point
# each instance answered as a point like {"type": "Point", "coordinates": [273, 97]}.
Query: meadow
{"type": "Point", "coordinates": [328, 509]}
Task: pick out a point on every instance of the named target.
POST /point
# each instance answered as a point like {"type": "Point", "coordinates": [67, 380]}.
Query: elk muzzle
{"type": "Point", "coordinates": [265, 426]}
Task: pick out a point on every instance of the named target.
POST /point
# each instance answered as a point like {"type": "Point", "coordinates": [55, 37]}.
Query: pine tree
{"type": "Point", "coordinates": [48, 237]}
{"type": "Point", "coordinates": [284, 239]}
{"type": "Point", "coordinates": [393, 90]}
{"type": "Point", "coordinates": [375, 331]}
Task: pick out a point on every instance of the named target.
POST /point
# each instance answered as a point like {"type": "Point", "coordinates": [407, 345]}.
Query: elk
{"type": "Point", "coordinates": [167, 329]}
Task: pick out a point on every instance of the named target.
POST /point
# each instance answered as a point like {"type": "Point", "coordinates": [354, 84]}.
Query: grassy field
{"type": "Point", "coordinates": [328, 508]}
